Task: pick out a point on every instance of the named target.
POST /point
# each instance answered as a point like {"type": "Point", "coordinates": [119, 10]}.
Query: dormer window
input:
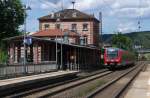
{"type": "Point", "coordinates": [57, 26]}
{"type": "Point", "coordinates": [52, 15]}
{"type": "Point", "coordinates": [85, 27]}
{"type": "Point", "coordinates": [58, 14]}
{"type": "Point", "coordinates": [46, 26]}
{"type": "Point", "coordinates": [58, 19]}
{"type": "Point", "coordinates": [74, 14]}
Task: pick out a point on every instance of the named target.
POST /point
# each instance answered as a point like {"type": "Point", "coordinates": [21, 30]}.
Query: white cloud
{"type": "Point", "coordinates": [113, 10]}
{"type": "Point", "coordinates": [131, 8]}
{"type": "Point", "coordinates": [46, 5]}
{"type": "Point", "coordinates": [127, 27]}
{"type": "Point", "coordinates": [119, 4]}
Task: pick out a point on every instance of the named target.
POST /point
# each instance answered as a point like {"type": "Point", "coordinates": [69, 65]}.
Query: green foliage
{"type": "Point", "coordinates": [3, 56]}
{"type": "Point", "coordinates": [121, 41]}
{"type": "Point", "coordinates": [139, 38]}
{"type": "Point", "coordinates": [142, 38]}
{"type": "Point", "coordinates": [11, 17]}
{"type": "Point", "coordinates": [3, 53]}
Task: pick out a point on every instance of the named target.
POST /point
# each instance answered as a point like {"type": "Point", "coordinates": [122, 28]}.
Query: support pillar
{"type": "Point", "coordinates": [35, 53]}
{"type": "Point", "coordinates": [75, 59]}
{"type": "Point", "coordinates": [11, 53]}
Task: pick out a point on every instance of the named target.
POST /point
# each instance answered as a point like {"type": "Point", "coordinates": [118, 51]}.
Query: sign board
{"type": "Point", "coordinates": [28, 40]}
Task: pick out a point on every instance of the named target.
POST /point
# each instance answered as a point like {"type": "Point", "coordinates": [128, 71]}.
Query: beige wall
{"type": "Point", "coordinates": [92, 33]}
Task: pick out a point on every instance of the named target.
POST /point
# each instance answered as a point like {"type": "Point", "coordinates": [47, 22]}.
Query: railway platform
{"type": "Point", "coordinates": [141, 86]}
{"type": "Point", "coordinates": [17, 83]}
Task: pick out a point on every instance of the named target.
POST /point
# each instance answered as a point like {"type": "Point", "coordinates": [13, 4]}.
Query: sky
{"type": "Point", "coordinates": [117, 15]}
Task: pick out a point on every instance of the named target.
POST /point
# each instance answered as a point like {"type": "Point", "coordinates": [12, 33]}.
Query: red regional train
{"type": "Point", "coordinates": [115, 57]}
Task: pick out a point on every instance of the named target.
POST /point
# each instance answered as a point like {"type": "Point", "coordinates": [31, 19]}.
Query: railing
{"type": "Point", "coordinates": [14, 70]}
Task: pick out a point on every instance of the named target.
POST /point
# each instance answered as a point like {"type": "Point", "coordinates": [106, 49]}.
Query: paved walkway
{"type": "Point", "coordinates": [34, 77]}
{"type": "Point", "coordinates": [141, 86]}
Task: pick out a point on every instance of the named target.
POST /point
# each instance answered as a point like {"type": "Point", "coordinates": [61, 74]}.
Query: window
{"type": "Point", "coordinates": [57, 26]}
{"type": "Point", "coordinates": [111, 53]}
{"type": "Point", "coordinates": [52, 38]}
{"type": "Point", "coordinates": [85, 27]}
{"type": "Point", "coordinates": [58, 14]}
{"type": "Point", "coordinates": [85, 41]}
{"type": "Point", "coordinates": [58, 20]}
{"type": "Point", "coordinates": [74, 14]}
{"type": "Point", "coordinates": [74, 27]}
{"type": "Point", "coordinates": [52, 15]}
{"type": "Point", "coordinates": [46, 26]}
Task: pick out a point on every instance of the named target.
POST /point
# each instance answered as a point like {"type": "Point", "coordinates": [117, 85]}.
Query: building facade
{"type": "Point", "coordinates": [84, 25]}
{"type": "Point", "coordinates": [58, 41]}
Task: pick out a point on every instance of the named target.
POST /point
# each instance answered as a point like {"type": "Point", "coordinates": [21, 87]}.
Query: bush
{"type": "Point", "coordinates": [3, 56]}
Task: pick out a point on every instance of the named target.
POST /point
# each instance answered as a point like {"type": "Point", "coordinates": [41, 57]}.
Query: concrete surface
{"type": "Point", "coordinates": [34, 77]}
{"type": "Point", "coordinates": [141, 86]}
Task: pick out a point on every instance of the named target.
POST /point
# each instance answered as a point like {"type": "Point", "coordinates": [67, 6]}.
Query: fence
{"type": "Point", "coordinates": [7, 70]}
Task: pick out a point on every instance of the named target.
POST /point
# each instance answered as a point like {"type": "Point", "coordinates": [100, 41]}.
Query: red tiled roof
{"type": "Point", "coordinates": [53, 33]}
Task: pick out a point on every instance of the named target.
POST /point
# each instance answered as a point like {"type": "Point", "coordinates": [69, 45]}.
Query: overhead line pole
{"type": "Point", "coordinates": [56, 53]}
{"type": "Point", "coordinates": [62, 37]}
{"type": "Point", "coordinates": [101, 31]}
{"type": "Point", "coordinates": [139, 21]}
{"type": "Point", "coordinates": [24, 37]}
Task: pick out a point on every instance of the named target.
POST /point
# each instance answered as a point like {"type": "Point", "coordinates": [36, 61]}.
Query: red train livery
{"type": "Point", "coordinates": [115, 57]}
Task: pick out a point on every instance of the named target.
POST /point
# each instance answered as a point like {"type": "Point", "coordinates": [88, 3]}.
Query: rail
{"type": "Point", "coordinates": [110, 86]}
{"type": "Point", "coordinates": [82, 79]}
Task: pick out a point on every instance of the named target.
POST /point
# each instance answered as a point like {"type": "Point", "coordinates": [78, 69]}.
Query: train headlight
{"type": "Point", "coordinates": [112, 60]}
{"type": "Point", "coordinates": [106, 64]}
{"type": "Point", "coordinates": [117, 60]}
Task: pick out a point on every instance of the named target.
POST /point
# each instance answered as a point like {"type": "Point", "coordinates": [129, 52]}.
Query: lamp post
{"type": "Point", "coordinates": [56, 53]}
{"type": "Point", "coordinates": [24, 37]}
{"type": "Point", "coordinates": [61, 49]}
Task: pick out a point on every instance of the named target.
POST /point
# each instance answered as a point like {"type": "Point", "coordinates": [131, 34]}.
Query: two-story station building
{"type": "Point", "coordinates": [62, 39]}
{"type": "Point", "coordinates": [70, 22]}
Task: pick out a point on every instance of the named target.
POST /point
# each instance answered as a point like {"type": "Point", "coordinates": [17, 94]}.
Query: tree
{"type": "Point", "coordinates": [11, 17]}
{"type": "Point", "coordinates": [122, 41]}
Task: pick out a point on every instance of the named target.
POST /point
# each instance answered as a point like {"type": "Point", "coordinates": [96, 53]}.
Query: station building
{"type": "Point", "coordinates": [73, 21]}
{"type": "Point", "coordinates": [67, 38]}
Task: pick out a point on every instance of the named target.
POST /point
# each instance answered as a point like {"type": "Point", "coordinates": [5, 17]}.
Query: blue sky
{"type": "Point", "coordinates": [118, 15]}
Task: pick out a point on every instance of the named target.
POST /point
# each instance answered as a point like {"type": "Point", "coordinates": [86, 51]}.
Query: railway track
{"type": "Point", "coordinates": [34, 91]}
{"type": "Point", "coordinates": [81, 91]}
{"type": "Point", "coordinates": [96, 85]}
{"type": "Point", "coordinates": [116, 87]}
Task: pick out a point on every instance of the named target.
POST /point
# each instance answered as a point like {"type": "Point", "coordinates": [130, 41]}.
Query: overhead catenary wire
{"type": "Point", "coordinates": [107, 5]}
{"type": "Point", "coordinates": [55, 2]}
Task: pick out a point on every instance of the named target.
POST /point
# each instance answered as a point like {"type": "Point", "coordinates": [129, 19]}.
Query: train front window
{"type": "Point", "coordinates": [112, 53]}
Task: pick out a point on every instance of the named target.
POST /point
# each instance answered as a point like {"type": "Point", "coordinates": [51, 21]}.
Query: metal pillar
{"type": "Point", "coordinates": [25, 8]}
{"type": "Point", "coordinates": [75, 59]}
{"type": "Point", "coordinates": [101, 30]}
{"type": "Point", "coordinates": [61, 56]}
{"type": "Point", "coordinates": [56, 53]}
{"type": "Point", "coordinates": [78, 58]}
